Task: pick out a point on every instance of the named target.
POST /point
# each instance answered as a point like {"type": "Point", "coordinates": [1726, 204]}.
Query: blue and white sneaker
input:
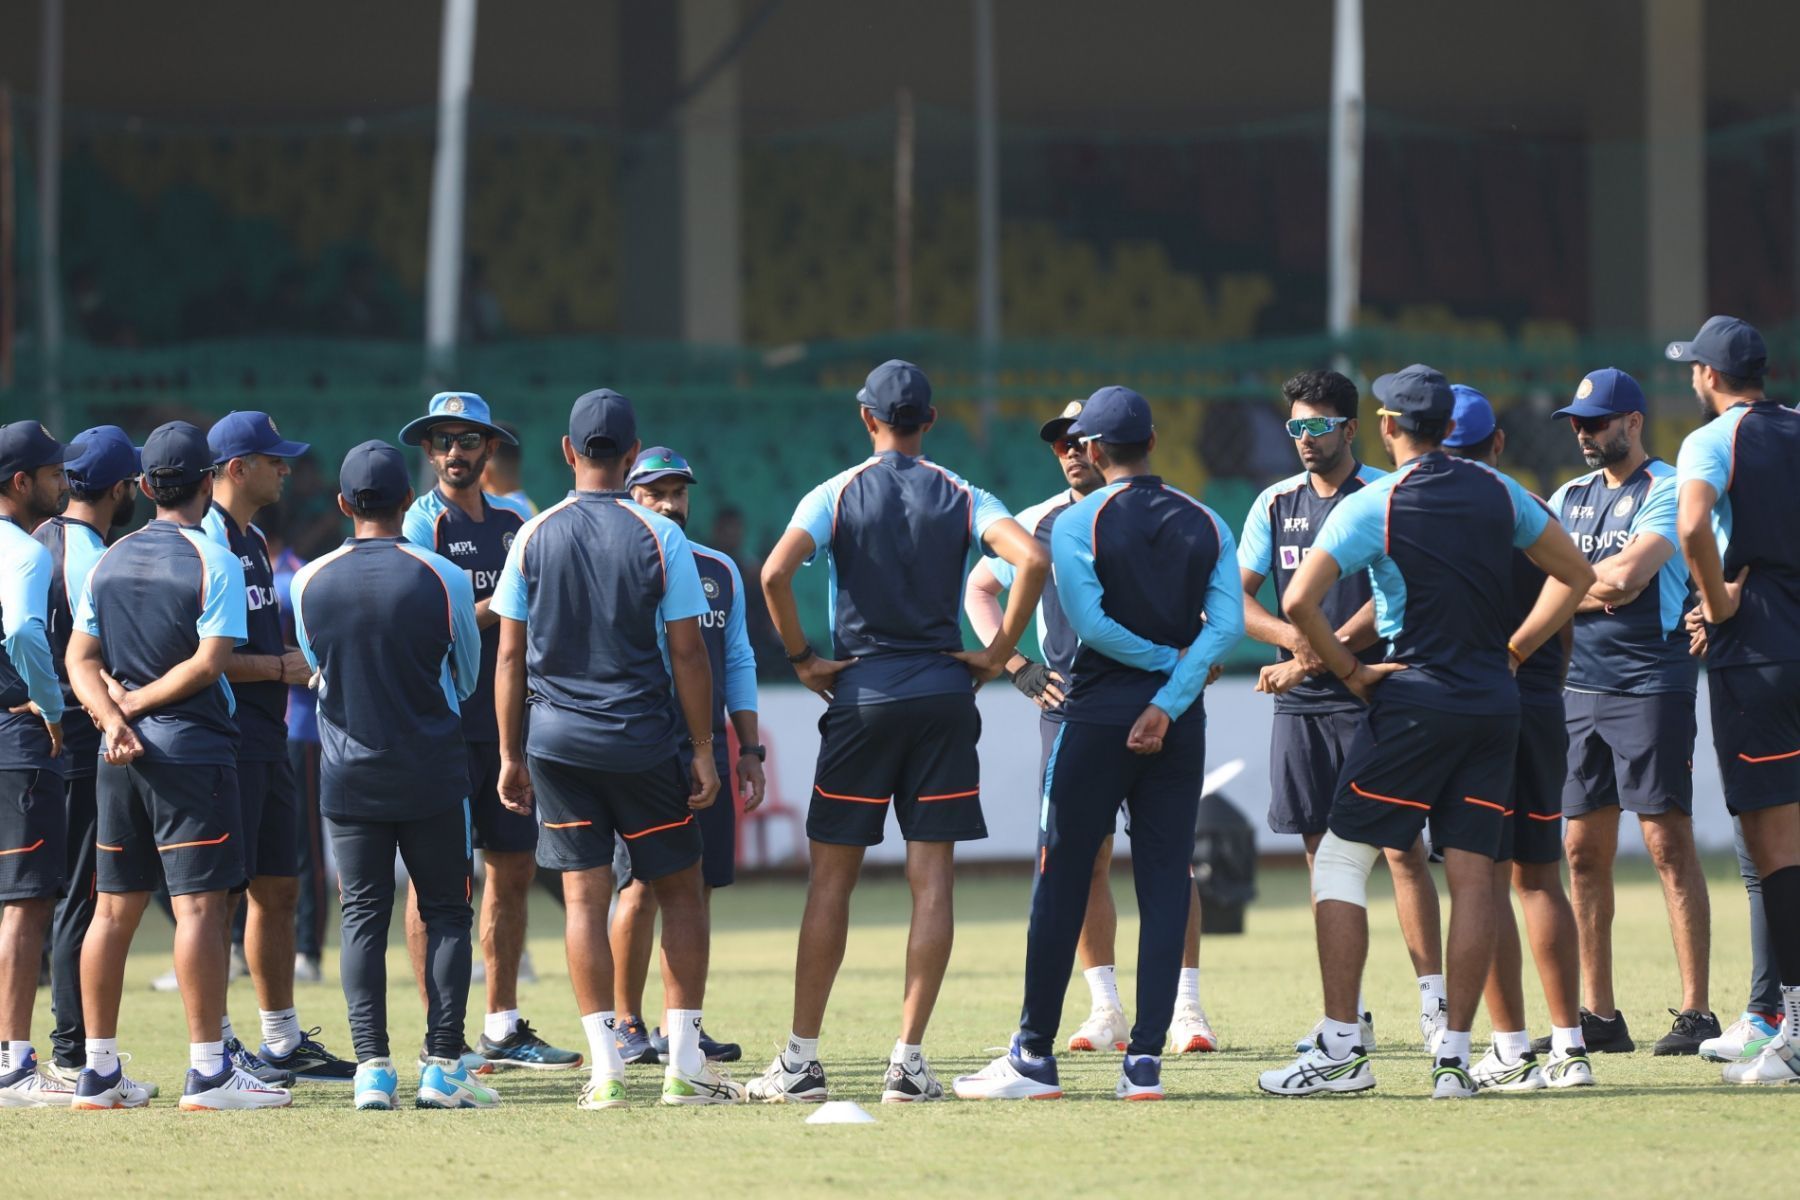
{"type": "Point", "coordinates": [470, 1061]}
{"type": "Point", "coordinates": [633, 1041]}
{"type": "Point", "coordinates": [238, 1055]}
{"type": "Point", "coordinates": [1140, 1078]}
{"type": "Point", "coordinates": [376, 1082]}
{"type": "Point", "coordinates": [232, 1088]}
{"type": "Point", "coordinates": [28, 1087]}
{"type": "Point", "coordinates": [447, 1084]}
{"type": "Point", "coordinates": [1741, 1041]}
{"type": "Point", "coordinates": [310, 1060]}
{"type": "Point", "coordinates": [710, 1050]}
{"type": "Point", "coordinates": [100, 1093]}
{"type": "Point", "coordinates": [1015, 1075]}
{"type": "Point", "coordinates": [524, 1048]}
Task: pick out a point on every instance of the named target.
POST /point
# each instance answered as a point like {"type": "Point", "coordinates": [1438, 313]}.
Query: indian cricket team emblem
{"type": "Point", "coordinates": [1623, 508]}
{"type": "Point", "coordinates": [506, 541]}
{"type": "Point", "coordinates": [1585, 390]}
{"type": "Point", "coordinates": [710, 587]}
{"type": "Point", "coordinates": [1673, 351]}
{"type": "Point", "coordinates": [453, 404]}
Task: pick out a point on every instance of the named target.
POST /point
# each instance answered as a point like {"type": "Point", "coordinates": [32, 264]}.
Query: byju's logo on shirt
{"type": "Point", "coordinates": [1602, 543]}
{"type": "Point", "coordinates": [1293, 556]}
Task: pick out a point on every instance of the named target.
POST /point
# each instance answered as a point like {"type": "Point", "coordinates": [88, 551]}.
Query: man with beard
{"type": "Point", "coordinates": [32, 490]}
{"type": "Point", "coordinates": [250, 469]}
{"type": "Point", "coordinates": [1045, 684]}
{"type": "Point", "coordinates": [459, 521]}
{"type": "Point", "coordinates": [1630, 705]}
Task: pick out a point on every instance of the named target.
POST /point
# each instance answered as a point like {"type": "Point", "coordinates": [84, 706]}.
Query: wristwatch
{"type": "Point", "coordinates": [804, 653]}
{"type": "Point", "coordinates": [761, 753]}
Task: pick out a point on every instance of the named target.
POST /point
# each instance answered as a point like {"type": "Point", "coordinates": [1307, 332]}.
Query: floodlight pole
{"type": "Point", "coordinates": [987, 201]}
{"type": "Point", "coordinates": [49, 181]}
{"type": "Point", "coordinates": [443, 263]}
{"type": "Point", "coordinates": [1345, 268]}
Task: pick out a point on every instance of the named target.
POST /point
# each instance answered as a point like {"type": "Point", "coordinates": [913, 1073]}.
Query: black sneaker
{"type": "Point", "coordinates": [310, 1060]}
{"type": "Point", "coordinates": [1691, 1027]}
{"type": "Point", "coordinates": [524, 1048]}
{"type": "Point", "coordinates": [711, 1050]}
{"type": "Point", "coordinates": [1603, 1035]}
{"type": "Point", "coordinates": [239, 1056]}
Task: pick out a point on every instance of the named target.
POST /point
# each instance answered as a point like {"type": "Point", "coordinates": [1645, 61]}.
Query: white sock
{"type": "Point", "coordinates": [13, 1056]}
{"type": "Point", "coordinates": [909, 1056]}
{"type": "Point", "coordinates": [1362, 1008]}
{"type": "Point", "coordinates": [1454, 1045]}
{"type": "Point", "coordinates": [1432, 994]}
{"type": "Point", "coordinates": [603, 1048]}
{"type": "Point", "coordinates": [103, 1055]}
{"type": "Point", "coordinates": [281, 1030]}
{"type": "Point", "coordinates": [226, 1032]}
{"type": "Point", "coordinates": [1340, 1037]}
{"type": "Point", "coordinates": [208, 1058]}
{"type": "Point", "coordinates": [1566, 1041]}
{"type": "Point", "coordinates": [499, 1026]}
{"type": "Point", "coordinates": [1511, 1047]}
{"type": "Point", "coordinates": [1103, 987]}
{"type": "Point", "coordinates": [1790, 1014]}
{"type": "Point", "coordinates": [1188, 990]}
{"type": "Point", "coordinates": [682, 1025]}
{"type": "Point", "coordinates": [800, 1050]}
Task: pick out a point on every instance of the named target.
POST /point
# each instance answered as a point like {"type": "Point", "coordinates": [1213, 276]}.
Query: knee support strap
{"type": "Point", "coordinates": [1341, 870]}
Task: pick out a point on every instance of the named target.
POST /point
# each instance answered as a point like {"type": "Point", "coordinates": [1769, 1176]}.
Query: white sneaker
{"type": "Point", "coordinates": [1191, 1033]}
{"type": "Point", "coordinates": [901, 1086]}
{"type": "Point", "coordinates": [1569, 1069]}
{"type": "Point", "coordinates": [802, 1083]}
{"type": "Point", "coordinates": [710, 1086]}
{"type": "Point", "coordinates": [232, 1088]}
{"type": "Point", "coordinates": [1365, 1033]}
{"type": "Point", "coordinates": [1432, 1024]}
{"type": "Point", "coordinates": [1451, 1081]}
{"type": "Point", "coordinates": [602, 1094]}
{"type": "Point", "coordinates": [166, 982]}
{"type": "Point", "coordinates": [1104, 1029]}
{"type": "Point", "coordinates": [1495, 1074]}
{"type": "Point", "coordinates": [32, 1086]}
{"type": "Point", "coordinates": [1140, 1078]}
{"type": "Point", "coordinates": [1778, 1063]}
{"type": "Point", "coordinates": [1316, 1072]}
{"type": "Point", "coordinates": [308, 970]}
{"type": "Point", "coordinates": [1012, 1076]}
{"type": "Point", "coordinates": [1743, 1039]}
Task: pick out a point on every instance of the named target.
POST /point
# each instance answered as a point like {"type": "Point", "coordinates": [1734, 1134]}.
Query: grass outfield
{"type": "Point", "coordinates": [1641, 1131]}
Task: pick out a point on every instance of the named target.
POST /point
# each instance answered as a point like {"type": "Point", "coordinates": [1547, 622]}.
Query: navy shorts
{"type": "Point", "coordinates": [918, 752]}
{"type": "Point", "coordinates": [271, 820]}
{"type": "Point", "coordinates": [165, 822]}
{"type": "Point", "coordinates": [1756, 733]}
{"type": "Point", "coordinates": [581, 809]}
{"type": "Point", "coordinates": [1306, 756]}
{"type": "Point", "coordinates": [1630, 752]}
{"type": "Point", "coordinates": [497, 827]}
{"type": "Point", "coordinates": [33, 826]}
{"type": "Point", "coordinates": [1533, 833]}
{"type": "Point", "coordinates": [718, 838]}
{"type": "Point", "coordinates": [1412, 765]}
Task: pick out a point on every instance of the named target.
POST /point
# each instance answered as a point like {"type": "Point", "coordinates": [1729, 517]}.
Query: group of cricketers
{"type": "Point", "coordinates": [1465, 673]}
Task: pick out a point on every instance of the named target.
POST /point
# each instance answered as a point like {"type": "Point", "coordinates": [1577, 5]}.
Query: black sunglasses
{"type": "Point", "coordinates": [1593, 424]}
{"type": "Point", "coordinates": [470, 440]}
{"type": "Point", "coordinates": [1065, 444]}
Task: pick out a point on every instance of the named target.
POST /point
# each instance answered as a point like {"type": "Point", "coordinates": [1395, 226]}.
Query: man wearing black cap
{"type": "Point", "coordinates": [1134, 730]}
{"type": "Point", "coordinates": [32, 870]}
{"type": "Point", "coordinates": [1044, 684]}
{"type": "Point", "coordinates": [250, 470]}
{"type": "Point", "coordinates": [1737, 518]}
{"type": "Point", "coordinates": [460, 521]}
{"type": "Point", "coordinates": [157, 621]}
{"type": "Point", "coordinates": [901, 725]}
{"type": "Point", "coordinates": [1630, 706]}
{"type": "Point", "coordinates": [1438, 535]}
{"type": "Point", "coordinates": [103, 490]}
{"type": "Point", "coordinates": [594, 592]}
{"type": "Point", "coordinates": [390, 629]}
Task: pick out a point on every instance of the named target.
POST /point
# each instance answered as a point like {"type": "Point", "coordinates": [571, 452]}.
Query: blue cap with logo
{"type": "Point", "coordinates": [27, 445]}
{"type": "Point", "coordinates": [602, 424]}
{"type": "Point", "coordinates": [241, 434]}
{"type": "Point", "coordinates": [107, 457]}
{"type": "Point", "coordinates": [374, 477]}
{"type": "Point", "coordinates": [1113, 414]}
{"type": "Point", "coordinates": [1607, 392]}
{"type": "Point", "coordinates": [1414, 394]}
{"type": "Point", "coordinates": [1056, 427]}
{"type": "Point", "coordinates": [898, 393]}
{"type": "Point", "coordinates": [659, 462]}
{"type": "Point", "coordinates": [177, 454]}
{"type": "Point", "coordinates": [1473, 415]}
{"type": "Point", "coordinates": [1725, 344]}
{"type": "Point", "coordinates": [464, 407]}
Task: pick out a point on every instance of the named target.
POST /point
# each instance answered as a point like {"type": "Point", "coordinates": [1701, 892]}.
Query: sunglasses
{"type": "Point", "coordinates": [1298, 427]}
{"type": "Point", "coordinates": [470, 440]}
{"type": "Point", "coordinates": [1592, 424]}
{"type": "Point", "coordinates": [1065, 444]}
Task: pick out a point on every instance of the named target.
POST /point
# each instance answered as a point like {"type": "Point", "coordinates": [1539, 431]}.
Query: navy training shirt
{"type": "Point", "coordinates": [1145, 571]}
{"type": "Point", "coordinates": [1748, 454]}
{"type": "Point", "coordinates": [1056, 637]}
{"type": "Point", "coordinates": [27, 668]}
{"type": "Point", "coordinates": [1540, 677]}
{"type": "Point", "coordinates": [595, 579]}
{"type": "Point", "coordinates": [74, 546]}
{"type": "Point", "coordinates": [150, 600]}
{"type": "Point", "coordinates": [1438, 536]}
{"type": "Point", "coordinates": [390, 629]}
{"type": "Point", "coordinates": [261, 703]}
{"type": "Point", "coordinates": [479, 548]}
{"type": "Point", "coordinates": [1639, 648]}
{"type": "Point", "coordinates": [1278, 534]}
{"type": "Point", "coordinates": [896, 532]}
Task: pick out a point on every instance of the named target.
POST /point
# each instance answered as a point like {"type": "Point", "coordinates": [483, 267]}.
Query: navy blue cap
{"type": "Point", "coordinates": [107, 457]}
{"type": "Point", "coordinates": [602, 424]}
{"type": "Point", "coordinates": [465, 407]}
{"type": "Point", "coordinates": [1113, 414]}
{"type": "Point", "coordinates": [658, 462]}
{"type": "Point", "coordinates": [241, 434]}
{"type": "Point", "coordinates": [374, 477]}
{"type": "Point", "coordinates": [1725, 344]}
{"type": "Point", "coordinates": [1604, 393]}
{"type": "Point", "coordinates": [27, 445]}
{"type": "Point", "coordinates": [1053, 429]}
{"type": "Point", "coordinates": [1473, 415]}
{"type": "Point", "coordinates": [1417, 393]}
{"type": "Point", "coordinates": [898, 393]}
{"type": "Point", "coordinates": [176, 454]}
